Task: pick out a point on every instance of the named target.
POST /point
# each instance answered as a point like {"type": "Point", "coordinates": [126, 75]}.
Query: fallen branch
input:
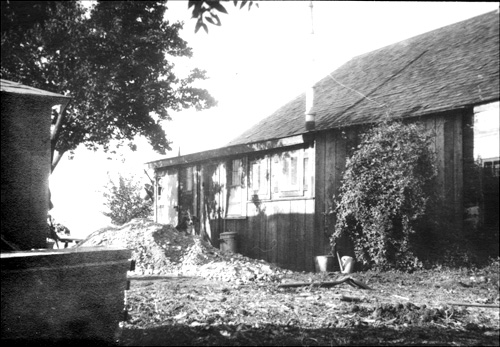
{"type": "Point", "coordinates": [400, 297]}
{"type": "Point", "coordinates": [349, 280]}
{"type": "Point", "coordinates": [473, 305]}
{"type": "Point", "coordinates": [155, 278]}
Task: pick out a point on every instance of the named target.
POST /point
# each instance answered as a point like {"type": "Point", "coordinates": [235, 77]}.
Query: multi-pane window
{"type": "Point", "coordinates": [492, 167]}
{"type": "Point", "coordinates": [236, 178]}
{"type": "Point", "coordinates": [260, 177]}
{"type": "Point", "coordinates": [291, 182]}
{"type": "Point", "coordinates": [290, 171]}
{"type": "Point", "coordinates": [292, 174]}
{"type": "Point", "coordinates": [236, 204]}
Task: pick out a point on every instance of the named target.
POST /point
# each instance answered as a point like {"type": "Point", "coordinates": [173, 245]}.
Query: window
{"type": "Point", "coordinates": [492, 168]}
{"type": "Point", "coordinates": [291, 182]}
{"type": "Point", "coordinates": [236, 177]}
{"type": "Point", "coordinates": [237, 198]}
{"type": "Point", "coordinates": [259, 178]}
{"type": "Point", "coordinates": [307, 172]}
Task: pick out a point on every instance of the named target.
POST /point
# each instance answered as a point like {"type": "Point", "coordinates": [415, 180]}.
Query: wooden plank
{"type": "Point", "coordinates": [289, 255]}
{"type": "Point", "coordinates": [263, 251]}
{"type": "Point", "coordinates": [331, 179]}
{"type": "Point", "coordinates": [430, 125]}
{"type": "Point", "coordinates": [440, 154]}
{"type": "Point", "coordinates": [243, 239]}
{"type": "Point", "coordinates": [291, 248]}
{"type": "Point", "coordinates": [201, 211]}
{"type": "Point", "coordinates": [309, 235]}
{"type": "Point", "coordinates": [297, 221]}
{"type": "Point", "coordinates": [449, 162]}
{"type": "Point", "coordinates": [319, 206]}
{"type": "Point", "coordinates": [458, 171]}
{"type": "Point", "coordinates": [254, 228]}
{"type": "Point", "coordinates": [280, 235]}
{"type": "Point", "coordinates": [469, 176]}
{"type": "Point", "coordinates": [343, 141]}
{"type": "Point", "coordinates": [252, 235]}
{"type": "Point", "coordinates": [271, 234]}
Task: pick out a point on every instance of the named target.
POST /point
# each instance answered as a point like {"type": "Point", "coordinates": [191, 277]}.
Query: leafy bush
{"type": "Point", "coordinates": [384, 192]}
{"type": "Point", "coordinates": [125, 202]}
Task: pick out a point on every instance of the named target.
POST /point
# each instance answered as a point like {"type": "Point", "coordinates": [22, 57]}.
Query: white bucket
{"type": "Point", "coordinates": [347, 264]}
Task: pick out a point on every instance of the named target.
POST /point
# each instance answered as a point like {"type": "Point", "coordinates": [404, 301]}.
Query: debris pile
{"type": "Point", "coordinates": [162, 250]}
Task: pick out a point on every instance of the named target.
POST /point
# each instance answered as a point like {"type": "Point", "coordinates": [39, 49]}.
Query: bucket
{"type": "Point", "coordinates": [228, 241]}
{"type": "Point", "coordinates": [347, 264]}
{"type": "Point", "coordinates": [326, 263]}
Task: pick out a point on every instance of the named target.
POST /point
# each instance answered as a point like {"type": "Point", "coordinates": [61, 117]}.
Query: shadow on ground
{"type": "Point", "coordinates": [278, 335]}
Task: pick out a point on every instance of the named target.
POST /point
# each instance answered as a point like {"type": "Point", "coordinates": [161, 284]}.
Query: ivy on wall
{"type": "Point", "coordinates": [384, 192]}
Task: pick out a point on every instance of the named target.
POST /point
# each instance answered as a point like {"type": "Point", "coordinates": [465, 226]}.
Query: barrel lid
{"type": "Point", "coordinates": [227, 233]}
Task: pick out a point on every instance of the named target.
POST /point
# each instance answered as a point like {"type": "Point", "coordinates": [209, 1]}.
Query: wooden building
{"type": "Point", "coordinates": [274, 183]}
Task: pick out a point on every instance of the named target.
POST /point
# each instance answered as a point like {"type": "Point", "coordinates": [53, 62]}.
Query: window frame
{"type": "Point", "coordinates": [239, 189]}
{"type": "Point", "coordinates": [289, 186]}
{"type": "Point", "coordinates": [264, 174]}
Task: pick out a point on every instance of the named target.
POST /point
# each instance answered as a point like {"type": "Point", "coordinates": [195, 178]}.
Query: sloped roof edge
{"type": "Point", "coordinates": [230, 151]}
{"type": "Point", "coordinates": [21, 89]}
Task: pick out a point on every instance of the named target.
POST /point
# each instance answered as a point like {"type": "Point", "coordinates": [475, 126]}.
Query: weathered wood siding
{"type": "Point", "coordinates": [276, 227]}
{"type": "Point", "coordinates": [452, 143]}
{"type": "Point", "coordinates": [279, 232]}
{"type": "Point", "coordinates": [332, 149]}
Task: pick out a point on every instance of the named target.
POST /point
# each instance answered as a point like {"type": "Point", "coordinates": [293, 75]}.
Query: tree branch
{"type": "Point", "coordinates": [56, 157]}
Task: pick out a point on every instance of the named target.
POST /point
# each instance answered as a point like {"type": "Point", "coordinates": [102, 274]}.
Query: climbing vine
{"type": "Point", "coordinates": [384, 192]}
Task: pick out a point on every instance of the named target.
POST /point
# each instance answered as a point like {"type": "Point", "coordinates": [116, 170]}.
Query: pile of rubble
{"type": "Point", "coordinates": [162, 250]}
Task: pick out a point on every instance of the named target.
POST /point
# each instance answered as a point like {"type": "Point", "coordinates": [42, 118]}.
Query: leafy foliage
{"type": "Point", "coordinates": [385, 189]}
{"type": "Point", "coordinates": [111, 59]}
{"type": "Point", "coordinates": [124, 201]}
{"type": "Point", "coordinates": [207, 11]}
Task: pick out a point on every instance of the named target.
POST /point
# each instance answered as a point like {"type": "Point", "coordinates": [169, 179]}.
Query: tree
{"type": "Point", "coordinates": [386, 185]}
{"type": "Point", "coordinates": [112, 61]}
{"type": "Point", "coordinates": [207, 11]}
{"type": "Point", "coordinates": [125, 202]}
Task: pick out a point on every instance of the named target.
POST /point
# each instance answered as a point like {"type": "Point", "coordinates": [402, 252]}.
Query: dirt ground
{"type": "Point", "coordinates": [401, 309]}
{"type": "Point", "coordinates": [185, 292]}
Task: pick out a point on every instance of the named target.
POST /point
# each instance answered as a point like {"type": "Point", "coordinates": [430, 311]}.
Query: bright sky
{"type": "Point", "coordinates": [256, 62]}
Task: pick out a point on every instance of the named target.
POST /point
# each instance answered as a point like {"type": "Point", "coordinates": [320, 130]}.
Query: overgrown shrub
{"type": "Point", "coordinates": [384, 192]}
{"type": "Point", "coordinates": [124, 201]}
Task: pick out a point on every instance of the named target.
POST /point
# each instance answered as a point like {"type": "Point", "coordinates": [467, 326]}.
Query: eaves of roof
{"type": "Point", "coordinates": [21, 89]}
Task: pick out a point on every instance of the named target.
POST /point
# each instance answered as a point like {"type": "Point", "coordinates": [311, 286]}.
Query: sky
{"type": "Point", "coordinates": [256, 61]}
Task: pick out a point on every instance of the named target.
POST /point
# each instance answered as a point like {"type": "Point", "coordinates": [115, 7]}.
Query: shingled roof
{"type": "Point", "coordinates": [448, 68]}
